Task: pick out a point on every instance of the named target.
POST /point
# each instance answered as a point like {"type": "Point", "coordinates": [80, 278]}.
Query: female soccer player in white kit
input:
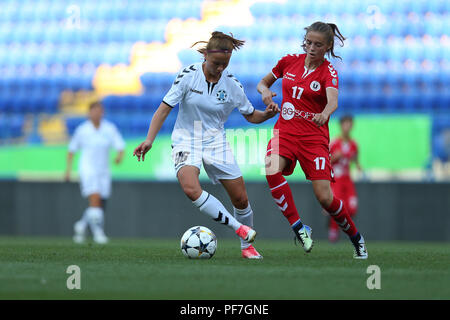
{"type": "Point", "coordinates": [207, 93]}
{"type": "Point", "coordinates": [94, 137]}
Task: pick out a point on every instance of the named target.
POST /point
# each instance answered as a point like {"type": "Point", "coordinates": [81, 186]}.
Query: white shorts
{"type": "Point", "coordinates": [218, 161]}
{"type": "Point", "coordinates": [95, 183]}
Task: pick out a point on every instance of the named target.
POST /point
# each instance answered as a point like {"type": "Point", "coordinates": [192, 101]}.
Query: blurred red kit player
{"type": "Point", "coordinates": [344, 151]}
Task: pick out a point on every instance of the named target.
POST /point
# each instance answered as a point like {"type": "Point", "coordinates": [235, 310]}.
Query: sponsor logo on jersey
{"type": "Point", "coordinates": [288, 111]}
{"type": "Point", "coordinates": [221, 95]}
{"type": "Point", "coordinates": [315, 86]}
{"type": "Point", "coordinates": [289, 76]}
{"type": "Point", "coordinates": [196, 91]}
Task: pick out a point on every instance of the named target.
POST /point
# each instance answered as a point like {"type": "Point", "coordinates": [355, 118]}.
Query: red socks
{"type": "Point", "coordinates": [281, 193]}
{"type": "Point", "coordinates": [339, 213]}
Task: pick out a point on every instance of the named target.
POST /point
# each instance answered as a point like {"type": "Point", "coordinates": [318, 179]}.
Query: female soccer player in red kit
{"type": "Point", "coordinates": [343, 150]}
{"type": "Point", "coordinates": [310, 96]}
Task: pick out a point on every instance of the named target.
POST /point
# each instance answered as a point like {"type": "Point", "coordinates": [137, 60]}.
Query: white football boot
{"type": "Point", "coordinates": [360, 249]}
{"type": "Point", "coordinates": [100, 237]}
{"type": "Point", "coordinates": [304, 236]}
{"type": "Point", "coordinates": [80, 232]}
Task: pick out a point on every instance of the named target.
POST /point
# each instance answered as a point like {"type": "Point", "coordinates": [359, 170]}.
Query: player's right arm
{"type": "Point", "coordinates": [170, 100]}
{"type": "Point", "coordinates": [263, 88]}
{"type": "Point", "coordinates": [155, 125]}
{"type": "Point", "coordinates": [74, 145]}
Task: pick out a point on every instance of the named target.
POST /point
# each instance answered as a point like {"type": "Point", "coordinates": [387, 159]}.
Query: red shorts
{"type": "Point", "coordinates": [314, 157]}
{"type": "Point", "coordinates": [344, 189]}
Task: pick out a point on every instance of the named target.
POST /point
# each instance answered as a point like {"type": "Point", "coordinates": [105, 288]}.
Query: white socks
{"type": "Point", "coordinates": [244, 216]}
{"type": "Point", "coordinates": [209, 205]}
{"type": "Point", "coordinates": [94, 217]}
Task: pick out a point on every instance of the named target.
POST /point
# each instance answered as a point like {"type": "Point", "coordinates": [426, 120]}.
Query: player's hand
{"type": "Point", "coordinates": [271, 110]}
{"type": "Point", "coordinates": [142, 149]}
{"type": "Point", "coordinates": [118, 159]}
{"type": "Point", "coordinates": [267, 96]}
{"type": "Point", "coordinates": [320, 119]}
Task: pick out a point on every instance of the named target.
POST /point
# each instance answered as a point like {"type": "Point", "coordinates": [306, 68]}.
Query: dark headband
{"type": "Point", "coordinates": [219, 50]}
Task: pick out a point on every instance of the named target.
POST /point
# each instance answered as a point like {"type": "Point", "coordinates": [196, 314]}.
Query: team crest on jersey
{"type": "Point", "coordinates": [334, 81]}
{"type": "Point", "coordinates": [315, 86]}
{"type": "Point", "coordinates": [221, 95]}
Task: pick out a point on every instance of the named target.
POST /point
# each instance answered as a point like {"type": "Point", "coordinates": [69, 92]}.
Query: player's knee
{"type": "Point", "coordinates": [325, 198]}
{"type": "Point", "coordinates": [192, 192]}
{"type": "Point", "coordinates": [270, 167]}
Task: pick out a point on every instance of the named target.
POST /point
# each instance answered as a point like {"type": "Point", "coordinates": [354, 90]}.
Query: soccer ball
{"type": "Point", "coordinates": [198, 243]}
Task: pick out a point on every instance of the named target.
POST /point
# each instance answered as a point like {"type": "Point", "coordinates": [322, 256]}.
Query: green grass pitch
{"type": "Point", "coordinates": [35, 268]}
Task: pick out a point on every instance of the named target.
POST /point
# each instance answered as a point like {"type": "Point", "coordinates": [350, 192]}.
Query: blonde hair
{"type": "Point", "coordinates": [220, 42]}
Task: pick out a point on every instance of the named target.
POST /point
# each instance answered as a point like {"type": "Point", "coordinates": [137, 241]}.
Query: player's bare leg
{"type": "Point", "coordinates": [208, 204]}
{"type": "Point", "coordinates": [242, 212]}
{"type": "Point", "coordinates": [338, 211]}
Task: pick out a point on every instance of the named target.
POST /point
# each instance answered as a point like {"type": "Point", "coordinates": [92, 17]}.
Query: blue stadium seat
{"type": "Point", "coordinates": [17, 123]}
{"type": "Point", "coordinates": [427, 101]}
{"type": "Point", "coordinates": [261, 9]}
{"type": "Point", "coordinates": [436, 6]}
{"type": "Point", "coordinates": [111, 104]}
{"type": "Point", "coordinates": [352, 7]}
{"type": "Point", "coordinates": [410, 102]}
{"type": "Point", "coordinates": [72, 123]}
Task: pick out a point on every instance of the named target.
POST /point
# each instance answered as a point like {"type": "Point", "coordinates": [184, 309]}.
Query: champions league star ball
{"type": "Point", "coordinates": [198, 243]}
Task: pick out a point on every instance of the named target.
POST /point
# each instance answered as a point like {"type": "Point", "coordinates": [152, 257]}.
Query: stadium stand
{"type": "Point", "coordinates": [395, 59]}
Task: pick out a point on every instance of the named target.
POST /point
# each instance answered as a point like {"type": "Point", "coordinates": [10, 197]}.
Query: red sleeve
{"type": "Point", "coordinates": [278, 70]}
{"type": "Point", "coordinates": [331, 78]}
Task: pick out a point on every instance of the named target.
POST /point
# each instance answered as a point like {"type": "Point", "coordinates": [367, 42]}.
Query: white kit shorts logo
{"type": "Point", "coordinates": [288, 111]}
{"type": "Point", "coordinates": [315, 86]}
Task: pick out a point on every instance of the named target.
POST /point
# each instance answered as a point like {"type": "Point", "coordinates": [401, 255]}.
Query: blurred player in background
{"type": "Point", "coordinates": [310, 96]}
{"type": "Point", "coordinates": [344, 150]}
{"type": "Point", "coordinates": [94, 138]}
{"type": "Point", "coordinates": [207, 93]}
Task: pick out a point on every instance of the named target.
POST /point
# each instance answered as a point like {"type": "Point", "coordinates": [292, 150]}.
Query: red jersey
{"type": "Point", "coordinates": [349, 151]}
{"type": "Point", "coordinates": [304, 95]}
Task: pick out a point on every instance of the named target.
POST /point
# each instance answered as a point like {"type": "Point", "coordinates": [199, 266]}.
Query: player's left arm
{"type": "Point", "coordinates": [332, 103]}
{"type": "Point", "coordinates": [356, 160]}
{"type": "Point", "coordinates": [118, 143]}
{"type": "Point", "coordinates": [259, 116]}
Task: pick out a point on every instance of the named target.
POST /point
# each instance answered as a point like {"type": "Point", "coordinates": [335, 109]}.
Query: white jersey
{"type": "Point", "coordinates": [94, 145]}
{"type": "Point", "coordinates": [204, 106]}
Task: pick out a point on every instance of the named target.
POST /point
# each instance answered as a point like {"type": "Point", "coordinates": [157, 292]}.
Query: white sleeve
{"type": "Point", "coordinates": [117, 140]}
{"type": "Point", "coordinates": [75, 142]}
{"type": "Point", "coordinates": [178, 89]}
{"type": "Point", "coordinates": [241, 101]}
